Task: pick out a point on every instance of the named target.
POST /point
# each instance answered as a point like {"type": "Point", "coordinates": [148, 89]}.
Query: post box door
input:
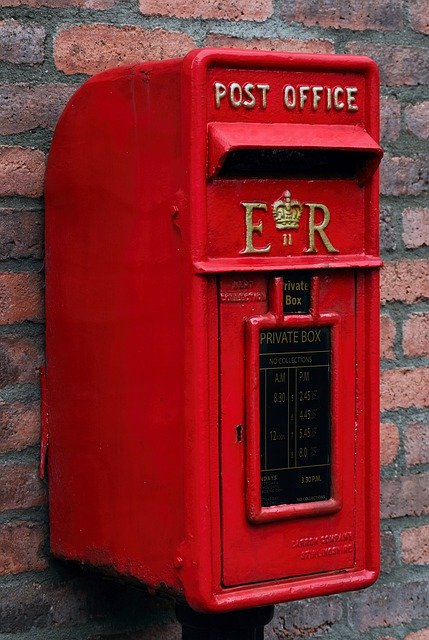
{"type": "Point", "coordinates": [278, 543]}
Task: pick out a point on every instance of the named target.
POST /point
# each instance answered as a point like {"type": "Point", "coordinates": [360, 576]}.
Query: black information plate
{"type": "Point", "coordinates": [294, 366]}
{"type": "Point", "coordinates": [296, 292]}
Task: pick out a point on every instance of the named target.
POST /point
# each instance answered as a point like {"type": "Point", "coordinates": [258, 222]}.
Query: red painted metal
{"type": "Point", "coordinates": [157, 286]}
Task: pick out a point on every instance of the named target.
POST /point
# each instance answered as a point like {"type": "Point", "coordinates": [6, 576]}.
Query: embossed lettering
{"type": "Point", "coordinates": [252, 228]}
{"type": "Point", "coordinates": [249, 95]}
{"type": "Point", "coordinates": [287, 214]}
{"type": "Point", "coordinates": [318, 97]}
{"type": "Point", "coordinates": [220, 92]}
{"type": "Point", "coordinates": [319, 228]}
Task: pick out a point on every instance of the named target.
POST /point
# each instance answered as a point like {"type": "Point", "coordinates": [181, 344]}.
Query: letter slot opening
{"type": "Point", "coordinates": [294, 163]}
{"type": "Point", "coordinates": [255, 150]}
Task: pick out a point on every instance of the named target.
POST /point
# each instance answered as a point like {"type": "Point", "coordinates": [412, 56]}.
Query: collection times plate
{"type": "Point", "coordinates": [294, 374]}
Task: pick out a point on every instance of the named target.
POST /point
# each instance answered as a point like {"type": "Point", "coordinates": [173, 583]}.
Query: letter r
{"type": "Point", "coordinates": [313, 227]}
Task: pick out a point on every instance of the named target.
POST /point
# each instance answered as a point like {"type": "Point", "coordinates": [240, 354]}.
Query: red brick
{"type": "Point", "coordinates": [92, 48]}
{"type": "Point", "coordinates": [416, 335]}
{"type": "Point", "coordinates": [383, 15]}
{"type": "Point", "coordinates": [388, 552]}
{"type": "Point", "coordinates": [422, 634]}
{"type": "Point", "coordinates": [20, 360]}
{"type": "Point", "coordinates": [388, 241]}
{"type": "Point", "coordinates": [60, 4]}
{"type": "Point", "coordinates": [20, 297]}
{"type": "Point", "coordinates": [271, 44]}
{"type": "Point", "coordinates": [24, 107]}
{"type": "Point", "coordinates": [386, 605]}
{"type": "Point", "coordinates": [417, 119]}
{"type": "Point", "coordinates": [21, 171]}
{"type": "Point", "coordinates": [416, 227]}
{"type": "Point", "coordinates": [417, 444]}
{"type": "Point", "coordinates": [20, 487]}
{"type": "Point", "coordinates": [19, 426]}
{"type": "Point", "coordinates": [405, 496]}
{"type": "Point", "coordinates": [21, 548]}
{"type": "Point", "coordinates": [404, 388]}
{"type": "Point", "coordinates": [21, 44]}
{"type": "Point", "coordinates": [258, 10]}
{"type": "Point", "coordinates": [387, 337]}
{"type": "Point", "coordinates": [29, 605]}
{"type": "Point", "coordinates": [306, 618]}
{"type": "Point", "coordinates": [419, 15]}
{"type": "Point", "coordinates": [389, 443]}
{"type": "Point", "coordinates": [415, 545]}
{"type": "Point", "coordinates": [405, 280]}
{"type": "Point", "coordinates": [401, 176]}
{"type": "Point", "coordinates": [399, 65]}
{"type": "Point", "coordinates": [21, 234]}
{"type": "Point", "coordinates": [390, 118]}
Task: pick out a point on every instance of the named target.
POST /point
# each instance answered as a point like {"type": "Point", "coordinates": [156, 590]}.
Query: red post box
{"type": "Point", "coordinates": [212, 326]}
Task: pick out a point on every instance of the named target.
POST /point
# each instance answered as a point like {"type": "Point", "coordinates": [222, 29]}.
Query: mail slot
{"type": "Point", "coordinates": [210, 400]}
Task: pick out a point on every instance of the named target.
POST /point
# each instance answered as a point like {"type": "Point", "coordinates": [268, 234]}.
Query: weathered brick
{"type": "Point", "coordinates": [389, 443]}
{"type": "Point", "coordinates": [422, 634]}
{"type": "Point", "coordinates": [419, 15]}
{"type": "Point", "coordinates": [21, 234]}
{"type": "Point", "coordinates": [258, 10]}
{"type": "Point", "coordinates": [417, 119]}
{"type": "Point", "coordinates": [401, 176]}
{"type": "Point", "coordinates": [307, 617]}
{"type": "Point", "coordinates": [34, 606]}
{"type": "Point", "coordinates": [415, 340]}
{"type": "Point", "coordinates": [389, 605]}
{"type": "Point", "coordinates": [404, 388]}
{"type": "Point", "coordinates": [387, 230]}
{"type": "Point", "coordinates": [271, 44]}
{"type": "Point", "coordinates": [92, 48]}
{"type": "Point", "coordinates": [388, 552]}
{"type": "Point", "coordinates": [21, 171]}
{"type": "Point", "coordinates": [24, 107]}
{"type": "Point", "coordinates": [19, 426]}
{"type": "Point", "coordinates": [399, 65]}
{"type": "Point", "coordinates": [20, 297]}
{"type": "Point", "coordinates": [20, 359]}
{"type": "Point", "coordinates": [59, 608]}
{"type": "Point", "coordinates": [387, 337]}
{"type": "Point", "coordinates": [21, 44]}
{"type": "Point", "coordinates": [415, 545]}
{"type": "Point", "coordinates": [405, 496]}
{"type": "Point", "coordinates": [383, 15]}
{"type": "Point", "coordinates": [390, 118]}
{"type": "Point", "coordinates": [60, 4]}
{"type": "Point", "coordinates": [405, 280]}
{"type": "Point", "coordinates": [20, 487]}
{"type": "Point", "coordinates": [416, 227]}
{"type": "Point", "coordinates": [417, 444]}
{"type": "Point", "coordinates": [21, 548]}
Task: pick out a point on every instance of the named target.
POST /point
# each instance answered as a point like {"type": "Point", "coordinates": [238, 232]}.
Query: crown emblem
{"type": "Point", "coordinates": [287, 212]}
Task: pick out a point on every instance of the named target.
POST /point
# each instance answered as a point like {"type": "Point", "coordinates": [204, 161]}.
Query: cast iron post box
{"type": "Point", "coordinates": [211, 395]}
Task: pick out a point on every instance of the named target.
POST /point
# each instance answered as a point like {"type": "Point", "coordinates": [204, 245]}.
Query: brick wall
{"type": "Point", "coordinates": [47, 49]}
